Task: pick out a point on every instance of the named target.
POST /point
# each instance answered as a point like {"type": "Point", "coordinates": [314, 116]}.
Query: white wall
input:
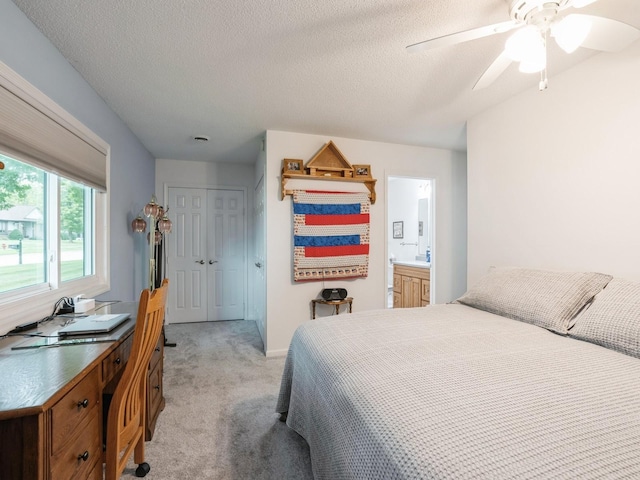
{"type": "Point", "coordinates": [186, 173]}
{"type": "Point", "coordinates": [403, 207]}
{"type": "Point", "coordinates": [554, 176]}
{"type": "Point", "coordinates": [288, 303]}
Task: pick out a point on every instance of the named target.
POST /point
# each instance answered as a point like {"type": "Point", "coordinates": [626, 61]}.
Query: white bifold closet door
{"type": "Point", "coordinates": [206, 261]}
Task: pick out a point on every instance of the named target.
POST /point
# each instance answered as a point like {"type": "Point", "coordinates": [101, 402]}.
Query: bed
{"type": "Point", "coordinates": [497, 385]}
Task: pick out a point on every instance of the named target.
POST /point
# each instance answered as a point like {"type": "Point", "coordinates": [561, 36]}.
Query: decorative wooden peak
{"type": "Point", "coordinates": [329, 162]}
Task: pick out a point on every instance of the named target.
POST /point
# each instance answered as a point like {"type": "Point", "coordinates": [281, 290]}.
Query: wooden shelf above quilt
{"type": "Point", "coordinates": [328, 164]}
{"type": "Point", "coordinates": [370, 183]}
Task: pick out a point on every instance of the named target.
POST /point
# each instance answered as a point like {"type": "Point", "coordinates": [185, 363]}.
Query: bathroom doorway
{"type": "Point", "coordinates": [410, 229]}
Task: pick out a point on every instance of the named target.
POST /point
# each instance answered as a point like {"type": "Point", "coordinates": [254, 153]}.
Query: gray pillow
{"type": "Point", "coordinates": [544, 298]}
{"type": "Point", "coordinates": [613, 319]}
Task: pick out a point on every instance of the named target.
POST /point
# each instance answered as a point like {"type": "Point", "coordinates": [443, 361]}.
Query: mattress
{"type": "Point", "coordinates": [451, 392]}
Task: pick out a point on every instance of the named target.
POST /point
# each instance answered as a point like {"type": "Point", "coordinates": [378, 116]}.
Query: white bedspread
{"type": "Point", "coordinates": [450, 392]}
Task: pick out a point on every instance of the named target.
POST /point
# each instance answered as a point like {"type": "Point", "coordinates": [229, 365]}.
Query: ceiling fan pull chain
{"type": "Point", "coordinates": [544, 82]}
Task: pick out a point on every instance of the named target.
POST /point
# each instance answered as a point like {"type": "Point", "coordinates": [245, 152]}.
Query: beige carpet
{"type": "Point", "coordinates": [219, 420]}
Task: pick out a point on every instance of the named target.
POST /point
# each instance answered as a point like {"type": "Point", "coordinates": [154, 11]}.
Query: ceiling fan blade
{"type": "Point", "coordinates": [609, 35]}
{"type": "Point", "coordinates": [461, 37]}
{"type": "Point", "coordinates": [582, 3]}
{"type": "Point", "coordinates": [490, 75]}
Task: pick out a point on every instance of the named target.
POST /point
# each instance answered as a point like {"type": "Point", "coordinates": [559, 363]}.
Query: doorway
{"type": "Point", "coordinates": [206, 260]}
{"type": "Point", "coordinates": [411, 226]}
{"type": "Point", "coordinates": [259, 259]}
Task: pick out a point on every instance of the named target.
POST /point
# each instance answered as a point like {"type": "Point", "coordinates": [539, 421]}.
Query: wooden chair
{"type": "Point", "coordinates": [126, 418]}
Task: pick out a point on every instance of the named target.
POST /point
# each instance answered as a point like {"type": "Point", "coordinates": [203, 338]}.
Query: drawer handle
{"type": "Point", "coordinates": [84, 403]}
{"type": "Point", "coordinates": [157, 387]}
{"type": "Point", "coordinates": [117, 361]}
{"type": "Point", "coordinates": [84, 456]}
{"type": "Point", "coordinates": [157, 349]}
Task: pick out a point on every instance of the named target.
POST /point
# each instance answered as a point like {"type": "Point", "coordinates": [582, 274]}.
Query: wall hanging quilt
{"type": "Point", "coordinates": [330, 235]}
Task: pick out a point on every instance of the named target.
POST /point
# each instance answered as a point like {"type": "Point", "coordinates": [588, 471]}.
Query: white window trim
{"type": "Point", "coordinates": [31, 304]}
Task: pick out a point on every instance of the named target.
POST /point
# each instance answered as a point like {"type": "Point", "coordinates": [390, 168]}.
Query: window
{"type": "Point", "coordinates": [76, 230]}
{"type": "Point", "coordinates": [47, 239]}
{"type": "Point", "coordinates": [28, 235]}
{"type": "Point", "coordinates": [22, 221]}
{"type": "Point", "coordinates": [53, 205]}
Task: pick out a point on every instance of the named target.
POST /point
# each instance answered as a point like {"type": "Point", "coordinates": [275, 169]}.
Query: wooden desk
{"type": "Point", "coordinates": [335, 303]}
{"type": "Point", "coordinates": [51, 401]}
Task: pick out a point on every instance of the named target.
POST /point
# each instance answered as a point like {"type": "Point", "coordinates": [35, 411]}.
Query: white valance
{"type": "Point", "coordinates": [34, 132]}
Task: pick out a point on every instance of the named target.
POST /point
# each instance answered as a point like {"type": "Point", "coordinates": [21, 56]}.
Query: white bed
{"type": "Point", "coordinates": [454, 392]}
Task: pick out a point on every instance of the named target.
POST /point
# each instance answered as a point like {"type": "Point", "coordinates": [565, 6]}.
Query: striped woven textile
{"type": "Point", "coordinates": [330, 235]}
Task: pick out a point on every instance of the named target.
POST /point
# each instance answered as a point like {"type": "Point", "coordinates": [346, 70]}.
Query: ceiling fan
{"type": "Point", "coordinates": [535, 21]}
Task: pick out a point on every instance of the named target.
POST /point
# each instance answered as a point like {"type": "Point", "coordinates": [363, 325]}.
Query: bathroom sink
{"type": "Point", "coordinates": [413, 263]}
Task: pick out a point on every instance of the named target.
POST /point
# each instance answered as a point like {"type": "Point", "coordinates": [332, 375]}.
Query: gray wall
{"type": "Point", "coordinates": [29, 53]}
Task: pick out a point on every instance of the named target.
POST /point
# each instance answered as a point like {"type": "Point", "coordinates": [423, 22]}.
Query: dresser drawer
{"type": "Point", "coordinates": [155, 391]}
{"type": "Point", "coordinates": [115, 362]}
{"type": "Point", "coordinates": [96, 473]}
{"type": "Point", "coordinates": [155, 399]}
{"type": "Point", "coordinates": [157, 353]}
{"type": "Point", "coordinates": [76, 406]}
{"type": "Point", "coordinates": [78, 458]}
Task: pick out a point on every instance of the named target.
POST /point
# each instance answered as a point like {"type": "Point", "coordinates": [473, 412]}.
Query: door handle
{"type": "Point", "coordinates": [201, 262]}
{"type": "Point", "coordinates": [211, 262]}
{"type": "Point", "coordinates": [258, 264]}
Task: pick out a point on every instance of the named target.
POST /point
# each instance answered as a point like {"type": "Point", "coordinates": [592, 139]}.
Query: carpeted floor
{"type": "Point", "coordinates": [219, 420]}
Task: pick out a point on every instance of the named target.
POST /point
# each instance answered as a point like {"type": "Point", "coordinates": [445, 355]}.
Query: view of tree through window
{"type": "Point", "coordinates": [27, 234]}
{"type": "Point", "coordinates": [22, 210]}
{"type": "Point", "coordinates": [75, 241]}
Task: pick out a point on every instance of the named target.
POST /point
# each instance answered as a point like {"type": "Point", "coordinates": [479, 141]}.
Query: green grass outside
{"type": "Point", "coordinates": [72, 269]}
{"type": "Point", "coordinates": [18, 276]}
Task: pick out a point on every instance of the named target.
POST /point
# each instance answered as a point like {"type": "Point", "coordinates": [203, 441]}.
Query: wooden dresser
{"type": "Point", "coordinates": [155, 398]}
{"type": "Point", "coordinates": [52, 398]}
{"type": "Point", "coordinates": [411, 286]}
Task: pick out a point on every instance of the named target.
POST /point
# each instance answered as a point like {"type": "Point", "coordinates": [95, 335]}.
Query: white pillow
{"type": "Point", "coordinates": [613, 319]}
{"type": "Point", "coordinates": [544, 298]}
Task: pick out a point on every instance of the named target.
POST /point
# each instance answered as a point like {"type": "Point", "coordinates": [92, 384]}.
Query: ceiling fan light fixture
{"type": "Point", "coordinates": [533, 65]}
{"type": "Point", "coordinates": [571, 32]}
{"type": "Point", "coordinates": [525, 44]}
{"type": "Point", "coordinates": [533, 22]}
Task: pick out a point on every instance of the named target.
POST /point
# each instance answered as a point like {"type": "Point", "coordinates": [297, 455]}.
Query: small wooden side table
{"type": "Point", "coordinates": [336, 303]}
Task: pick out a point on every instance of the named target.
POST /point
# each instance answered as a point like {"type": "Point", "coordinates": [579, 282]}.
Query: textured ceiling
{"type": "Point", "coordinates": [231, 69]}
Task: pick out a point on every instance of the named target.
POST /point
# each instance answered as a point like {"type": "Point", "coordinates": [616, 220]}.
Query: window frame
{"type": "Point", "coordinates": [34, 303]}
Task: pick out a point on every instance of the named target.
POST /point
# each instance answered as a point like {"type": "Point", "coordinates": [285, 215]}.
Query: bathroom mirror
{"type": "Point", "coordinates": [424, 239]}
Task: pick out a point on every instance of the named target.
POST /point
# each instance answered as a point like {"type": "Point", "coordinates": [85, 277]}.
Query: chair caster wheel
{"type": "Point", "coordinates": [142, 469]}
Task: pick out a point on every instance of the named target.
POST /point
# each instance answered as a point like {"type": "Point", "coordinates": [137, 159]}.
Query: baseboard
{"type": "Point", "coordinates": [276, 353]}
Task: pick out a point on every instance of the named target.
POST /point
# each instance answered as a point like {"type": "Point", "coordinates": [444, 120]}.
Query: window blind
{"type": "Point", "coordinates": [35, 134]}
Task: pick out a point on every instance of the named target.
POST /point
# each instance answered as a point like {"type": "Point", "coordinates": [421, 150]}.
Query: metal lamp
{"type": "Point", "coordinates": [159, 224]}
